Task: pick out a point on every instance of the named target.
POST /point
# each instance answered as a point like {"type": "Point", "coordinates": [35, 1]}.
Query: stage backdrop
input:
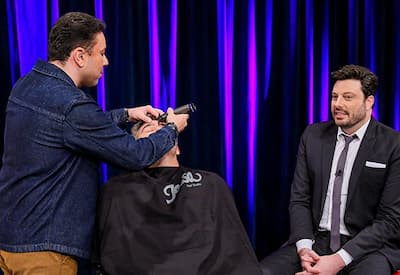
{"type": "Point", "coordinates": [258, 70]}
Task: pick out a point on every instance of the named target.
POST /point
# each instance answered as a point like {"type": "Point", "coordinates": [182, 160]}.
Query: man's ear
{"type": "Point", "coordinates": [370, 101]}
{"type": "Point", "coordinates": [78, 55]}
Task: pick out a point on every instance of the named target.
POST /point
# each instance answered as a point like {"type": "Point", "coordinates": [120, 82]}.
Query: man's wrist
{"type": "Point", "coordinates": [304, 243]}
{"type": "Point", "coordinates": [345, 256]}
{"type": "Point", "coordinates": [125, 116]}
{"type": "Point", "coordinates": [173, 126]}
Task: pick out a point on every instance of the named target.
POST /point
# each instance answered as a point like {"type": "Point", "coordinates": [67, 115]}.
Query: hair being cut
{"type": "Point", "coordinates": [369, 81]}
{"type": "Point", "coordinates": [72, 30]}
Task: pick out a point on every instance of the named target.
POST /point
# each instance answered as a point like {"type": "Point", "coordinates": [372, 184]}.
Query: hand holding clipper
{"type": "Point", "coordinates": [184, 109]}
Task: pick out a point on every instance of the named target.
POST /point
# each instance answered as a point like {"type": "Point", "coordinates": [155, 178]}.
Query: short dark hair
{"type": "Point", "coordinates": [135, 128]}
{"type": "Point", "coordinates": [369, 81]}
{"type": "Point", "coordinates": [72, 30]}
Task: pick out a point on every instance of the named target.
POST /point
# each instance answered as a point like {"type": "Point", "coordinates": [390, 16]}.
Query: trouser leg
{"type": "Point", "coordinates": [43, 262]}
{"type": "Point", "coordinates": [284, 261]}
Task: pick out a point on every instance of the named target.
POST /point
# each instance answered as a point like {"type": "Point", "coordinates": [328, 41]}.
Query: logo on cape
{"type": "Point", "coordinates": [191, 180]}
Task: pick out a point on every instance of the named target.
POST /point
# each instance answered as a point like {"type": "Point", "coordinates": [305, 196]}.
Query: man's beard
{"type": "Point", "coordinates": [353, 119]}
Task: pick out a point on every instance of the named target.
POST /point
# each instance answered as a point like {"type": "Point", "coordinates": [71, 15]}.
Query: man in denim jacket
{"type": "Point", "coordinates": [55, 136]}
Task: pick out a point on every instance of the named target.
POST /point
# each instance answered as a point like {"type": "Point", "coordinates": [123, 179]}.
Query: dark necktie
{"type": "Point", "coordinates": [336, 194]}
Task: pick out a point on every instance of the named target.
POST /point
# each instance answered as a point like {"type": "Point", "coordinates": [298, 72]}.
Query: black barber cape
{"type": "Point", "coordinates": [172, 221]}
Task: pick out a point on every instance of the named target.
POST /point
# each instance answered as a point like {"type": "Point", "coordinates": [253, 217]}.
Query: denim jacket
{"type": "Point", "coordinates": [55, 136]}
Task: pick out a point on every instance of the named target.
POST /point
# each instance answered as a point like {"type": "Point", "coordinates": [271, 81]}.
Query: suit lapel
{"type": "Point", "coordinates": [328, 148]}
{"type": "Point", "coordinates": [362, 155]}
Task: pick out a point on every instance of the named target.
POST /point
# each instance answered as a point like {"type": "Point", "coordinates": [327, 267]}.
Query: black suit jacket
{"type": "Point", "coordinates": [372, 213]}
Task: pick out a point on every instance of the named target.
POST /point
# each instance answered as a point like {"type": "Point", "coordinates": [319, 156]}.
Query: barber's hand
{"type": "Point", "coordinates": [328, 265]}
{"type": "Point", "coordinates": [179, 120]}
{"type": "Point", "coordinates": [308, 259]}
{"type": "Point", "coordinates": [143, 113]}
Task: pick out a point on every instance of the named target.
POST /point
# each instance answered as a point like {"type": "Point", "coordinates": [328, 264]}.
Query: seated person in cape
{"type": "Point", "coordinates": [169, 219]}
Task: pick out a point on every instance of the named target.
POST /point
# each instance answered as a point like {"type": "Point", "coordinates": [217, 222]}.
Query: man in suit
{"type": "Point", "coordinates": [345, 198]}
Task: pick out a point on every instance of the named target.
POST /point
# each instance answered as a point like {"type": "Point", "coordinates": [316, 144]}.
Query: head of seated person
{"type": "Point", "coordinates": [145, 129]}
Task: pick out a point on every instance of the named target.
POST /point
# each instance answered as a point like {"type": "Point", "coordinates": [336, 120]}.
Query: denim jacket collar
{"type": "Point", "coordinates": [52, 70]}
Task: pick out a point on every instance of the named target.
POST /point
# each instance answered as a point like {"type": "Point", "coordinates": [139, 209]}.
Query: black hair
{"type": "Point", "coordinates": [369, 81]}
{"type": "Point", "coordinates": [72, 30]}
